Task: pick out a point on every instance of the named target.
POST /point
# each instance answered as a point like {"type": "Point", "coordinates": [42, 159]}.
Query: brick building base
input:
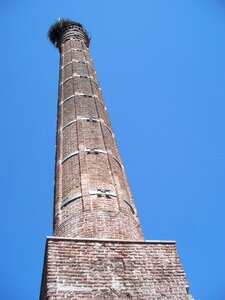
{"type": "Point", "coordinates": [112, 269]}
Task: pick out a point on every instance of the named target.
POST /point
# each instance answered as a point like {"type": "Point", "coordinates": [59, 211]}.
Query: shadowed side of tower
{"type": "Point", "coordinates": [98, 250]}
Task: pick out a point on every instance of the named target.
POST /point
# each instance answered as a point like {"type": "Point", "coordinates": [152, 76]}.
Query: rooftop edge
{"type": "Point", "coordinates": [49, 238]}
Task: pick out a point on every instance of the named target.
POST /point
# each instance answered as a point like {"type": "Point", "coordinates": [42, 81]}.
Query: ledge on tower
{"type": "Point", "coordinates": [56, 31]}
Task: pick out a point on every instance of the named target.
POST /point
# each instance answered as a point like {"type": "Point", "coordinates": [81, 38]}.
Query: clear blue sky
{"type": "Point", "coordinates": [161, 65]}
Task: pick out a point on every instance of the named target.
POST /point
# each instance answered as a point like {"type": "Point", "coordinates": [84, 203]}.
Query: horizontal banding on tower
{"type": "Point", "coordinates": [65, 29]}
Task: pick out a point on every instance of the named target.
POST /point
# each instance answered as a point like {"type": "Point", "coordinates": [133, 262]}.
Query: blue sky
{"type": "Point", "coordinates": [161, 65]}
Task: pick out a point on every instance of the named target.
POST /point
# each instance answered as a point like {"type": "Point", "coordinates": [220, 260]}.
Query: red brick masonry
{"type": "Point", "coordinates": [98, 249]}
{"type": "Point", "coordinates": [112, 269]}
{"type": "Point", "coordinates": [91, 188]}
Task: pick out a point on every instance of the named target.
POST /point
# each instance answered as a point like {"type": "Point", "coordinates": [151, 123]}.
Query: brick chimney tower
{"type": "Point", "coordinates": [98, 250]}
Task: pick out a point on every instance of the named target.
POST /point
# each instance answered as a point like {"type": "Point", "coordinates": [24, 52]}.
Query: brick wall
{"type": "Point", "coordinates": [92, 195]}
{"type": "Point", "coordinates": [98, 269]}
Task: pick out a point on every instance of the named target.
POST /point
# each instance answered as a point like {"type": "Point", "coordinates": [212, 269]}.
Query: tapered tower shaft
{"type": "Point", "coordinates": [92, 196]}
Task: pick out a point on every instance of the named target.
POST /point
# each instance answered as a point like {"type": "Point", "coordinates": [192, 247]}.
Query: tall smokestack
{"type": "Point", "coordinates": [92, 196]}
{"type": "Point", "coordinates": [97, 251]}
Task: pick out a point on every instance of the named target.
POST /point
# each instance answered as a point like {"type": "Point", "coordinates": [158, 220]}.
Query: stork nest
{"type": "Point", "coordinates": [60, 26]}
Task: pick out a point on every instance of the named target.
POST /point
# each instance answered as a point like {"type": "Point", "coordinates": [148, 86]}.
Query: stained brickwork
{"type": "Point", "coordinates": [90, 269]}
{"type": "Point", "coordinates": [92, 195]}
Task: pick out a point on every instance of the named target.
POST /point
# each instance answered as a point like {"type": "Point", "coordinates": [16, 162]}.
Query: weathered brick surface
{"type": "Point", "coordinates": [83, 124]}
{"type": "Point", "coordinates": [123, 266]}
{"type": "Point", "coordinates": [97, 269]}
